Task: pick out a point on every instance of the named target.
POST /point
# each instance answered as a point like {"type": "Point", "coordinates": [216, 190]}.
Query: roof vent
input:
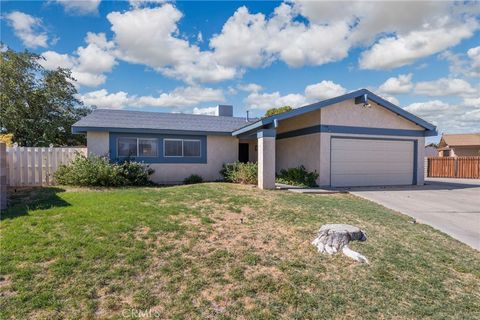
{"type": "Point", "coordinates": [224, 110]}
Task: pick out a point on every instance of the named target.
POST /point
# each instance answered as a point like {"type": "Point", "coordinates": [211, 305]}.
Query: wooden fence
{"type": "Point", "coordinates": [36, 166]}
{"type": "Point", "coordinates": [454, 167]}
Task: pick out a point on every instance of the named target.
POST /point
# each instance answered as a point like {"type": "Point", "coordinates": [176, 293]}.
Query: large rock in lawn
{"type": "Point", "coordinates": [332, 238]}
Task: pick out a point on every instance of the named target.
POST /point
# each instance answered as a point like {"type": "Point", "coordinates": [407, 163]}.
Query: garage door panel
{"type": "Point", "coordinates": [379, 156]}
{"type": "Point", "coordinates": [372, 145]}
{"type": "Point", "coordinates": [370, 180]}
{"type": "Point", "coordinates": [400, 169]}
{"type": "Point", "coordinates": [368, 162]}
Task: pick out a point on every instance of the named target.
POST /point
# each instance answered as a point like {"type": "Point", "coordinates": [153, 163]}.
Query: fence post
{"type": "Point", "coordinates": [3, 176]}
{"type": "Point", "coordinates": [455, 167]}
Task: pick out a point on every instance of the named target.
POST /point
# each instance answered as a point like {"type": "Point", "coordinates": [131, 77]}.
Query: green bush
{"type": "Point", "coordinates": [298, 176]}
{"type": "Point", "coordinates": [239, 172]}
{"type": "Point", "coordinates": [192, 179]}
{"type": "Point", "coordinates": [99, 172]}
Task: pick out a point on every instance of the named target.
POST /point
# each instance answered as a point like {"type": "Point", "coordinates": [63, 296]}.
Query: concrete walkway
{"type": "Point", "coordinates": [449, 205]}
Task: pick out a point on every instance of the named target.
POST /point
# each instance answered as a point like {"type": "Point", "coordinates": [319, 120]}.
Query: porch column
{"type": "Point", "coordinates": [266, 158]}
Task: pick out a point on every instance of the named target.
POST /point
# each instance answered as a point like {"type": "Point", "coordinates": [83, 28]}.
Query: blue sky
{"type": "Point", "coordinates": [189, 56]}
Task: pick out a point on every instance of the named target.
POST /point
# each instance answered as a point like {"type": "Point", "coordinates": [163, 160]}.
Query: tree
{"type": "Point", "coordinates": [37, 106]}
{"type": "Point", "coordinates": [273, 111]}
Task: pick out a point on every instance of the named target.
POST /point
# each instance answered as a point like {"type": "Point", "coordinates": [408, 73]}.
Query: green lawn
{"type": "Point", "coordinates": [223, 251]}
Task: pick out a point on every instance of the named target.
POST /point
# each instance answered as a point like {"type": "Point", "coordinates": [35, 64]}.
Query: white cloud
{"type": "Point", "coordinates": [400, 31]}
{"type": "Point", "coordinates": [253, 40]}
{"type": "Point", "coordinates": [473, 102]}
{"type": "Point", "coordinates": [400, 50]}
{"type": "Point", "coordinates": [266, 101]}
{"type": "Point", "coordinates": [141, 3]}
{"type": "Point", "coordinates": [53, 60]}
{"type": "Point", "coordinates": [179, 98]}
{"type": "Point", "coordinates": [324, 90]}
{"type": "Point", "coordinates": [249, 87]}
{"type": "Point", "coordinates": [199, 36]}
{"type": "Point", "coordinates": [95, 57]}
{"type": "Point", "coordinates": [104, 100]}
{"type": "Point", "coordinates": [89, 64]}
{"type": "Point", "coordinates": [396, 85]}
{"type": "Point", "coordinates": [391, 99]}
{"type": "Point", "coordinates": [182, 97]}
{"type": "Point", "coordinates": [316, 92]}
{"type": "Point", "coordinates": [28, 28]}
{"type": "Point", "coordinates": [427, 108]}
{"type": "Point", "coordinates": [80, 7]}
{"type": "Point", "coordinates": [371, 18]}
{"type": "Point", "coordinates": [464, 64]}
{"type": "Point", "coordinates": [150, 36]}
{"type": "Point", "coordinates": [211, 111]}
{"type": "Point", "coordinates": [448, 117]}
{"type": "Point", "coordinates": [474, 55]}
{"type": "Point", "coordinates": [88, 79]}
{"type": "Point", "coordinates": [445, 87]}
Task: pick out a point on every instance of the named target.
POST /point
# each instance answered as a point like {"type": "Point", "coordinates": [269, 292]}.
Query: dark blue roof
{"type": "Point", "coordinates": [325, 103]}
{"type": "Point", "coordinates": [119, 120]}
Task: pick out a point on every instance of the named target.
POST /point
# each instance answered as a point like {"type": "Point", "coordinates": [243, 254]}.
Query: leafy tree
{"type": "Point", "coordinates": [37, 106]}
{"type": "Point", "coordinates": [273, 111]}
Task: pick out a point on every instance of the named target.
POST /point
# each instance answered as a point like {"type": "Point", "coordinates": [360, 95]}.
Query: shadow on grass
{"type": "Point", "coordinates": [26, 199]}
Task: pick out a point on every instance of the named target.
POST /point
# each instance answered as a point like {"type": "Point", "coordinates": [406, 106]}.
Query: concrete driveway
{"type": "Point", "coordinates": [449, 205]}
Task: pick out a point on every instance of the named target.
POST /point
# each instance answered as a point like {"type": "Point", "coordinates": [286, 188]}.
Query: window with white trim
{"type": "Point", "coordinates": [181, 148]}
{"type": "Point", "coordinates": [137, 147]}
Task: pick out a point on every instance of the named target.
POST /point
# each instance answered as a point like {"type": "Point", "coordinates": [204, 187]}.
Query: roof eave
{"type": "Point", "coordinates": [85, 129]}
{"type": "Point", "coordinates": [430, 129]}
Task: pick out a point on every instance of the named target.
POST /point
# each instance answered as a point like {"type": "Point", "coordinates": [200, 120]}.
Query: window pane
{"type": "Point", "coordinates": [127, 147]}
{"type": "Point", "coordinates": [191, 148]}
{"type": "Point", "coordinates": [173, 148]}
{"type": "Point", "coordinates": [147, 147]}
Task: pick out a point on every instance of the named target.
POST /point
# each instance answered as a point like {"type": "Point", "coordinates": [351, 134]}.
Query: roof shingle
{"type": "Point", "coordinates": [123, 119]}
{"type": "Point", "coordinates": [466, 139]}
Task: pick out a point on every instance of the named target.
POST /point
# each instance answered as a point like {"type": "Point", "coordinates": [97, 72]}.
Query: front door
{"type": "Point", "coordinates": [243, 152]}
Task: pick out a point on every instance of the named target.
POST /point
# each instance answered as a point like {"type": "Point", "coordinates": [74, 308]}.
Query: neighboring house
{"type": "Point", "coordinates": [357, 139]}
{"type": "Point", "coordinates": [431, 150]}
{"type": "Point", "coordinates": [459, 145]}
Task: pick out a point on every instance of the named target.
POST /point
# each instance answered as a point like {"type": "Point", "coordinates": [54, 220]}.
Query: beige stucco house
{"type": "Point", "coordinates": [459, 145]}
{"type": "Point", "coordinates": [357, 139]}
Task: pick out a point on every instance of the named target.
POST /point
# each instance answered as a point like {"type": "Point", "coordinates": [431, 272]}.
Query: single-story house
{"type": "Point", "coordinates": [357, 139]}
{"type": "Point", "coordinates": [459, 145]}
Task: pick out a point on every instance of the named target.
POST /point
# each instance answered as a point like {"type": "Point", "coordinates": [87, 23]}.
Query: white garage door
{"type": "Point", "coordinates": [369, 162]}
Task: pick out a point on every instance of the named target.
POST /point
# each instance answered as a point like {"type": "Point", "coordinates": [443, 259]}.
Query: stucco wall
{"type": "Point", "coordinates": [347, 113]}
{"type": "Point", "coordinates": [98, 143]}
{"type": "Point", "coordinates": [296, 151]}
{"type": "Point", "coordinates": [305, 120]}
{"type": "Point", "coordinates": [220, 149]}
{"type": "Point", "coordinates": [301, 150]}
{"type": "Point", "coordinates": [252, 151]}
{"type": "Point", "coordinates": [266, 161]}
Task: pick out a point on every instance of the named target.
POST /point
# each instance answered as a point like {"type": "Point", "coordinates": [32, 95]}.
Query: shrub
{"type": "Point", "coordinates": [7, 138]}
{"type": "Point", "coordinates": [192, 179]}
{"type": "Point", "coordinates": [98, 171]}
{"type": "Point", "coordinates": [298, 176]}
{"type": "Point", "coordinates": [239, 172]}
